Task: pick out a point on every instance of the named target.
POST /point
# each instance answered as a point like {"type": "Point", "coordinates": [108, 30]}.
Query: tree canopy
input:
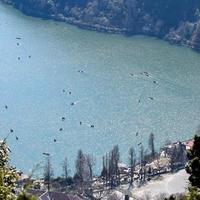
{"type": "Point", "coordinates": [8, 174]}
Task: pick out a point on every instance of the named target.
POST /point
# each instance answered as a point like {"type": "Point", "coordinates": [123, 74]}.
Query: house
{"type": "Point", "coordinates": [22, 179]}
{"type": "Point", "coordinates": [189, 144]}
{"type": "Point", "coordinates": [177, 152]}
{"type": "Point", "coordinates": [58, 196]}
{"type": "Point", "coordinates": [123, 168]}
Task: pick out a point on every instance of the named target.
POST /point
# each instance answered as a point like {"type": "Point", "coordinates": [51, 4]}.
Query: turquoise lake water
{"type": "Point", "coordinates": [111, 94]}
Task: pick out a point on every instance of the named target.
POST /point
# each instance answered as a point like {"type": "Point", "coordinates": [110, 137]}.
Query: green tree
{"type": "Point", "coordinates": [24, 196]}
{"type": "Point", "coordinates": [8, 175]}
{"type": "Point", "coordinates": [193, 167]}
{"type": "Point", "coordinates": [193, 194]}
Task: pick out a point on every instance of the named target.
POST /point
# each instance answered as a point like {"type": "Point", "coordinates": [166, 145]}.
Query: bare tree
{"type": "Point", "coordinates": [65, 169]}
{"type": "Point", "coordinates": [104, 169]}
{"type": "Point", "coordinates": [88, 176]}
{"type": "Point", "coordinates": [84, 174]}
{"type": "Point", "coordinates": [90, 163]}
{"type": "Point", "coordinates": [113, 169]}
{"type": "Point", "coordinates": [48, 172]}
{"type": "Point", "coordinates": [151, 145]}
{"type": "Point", "coordinates": [132, 161]}
{"type": "Point", "coordinates": [107, 169]}
{"type": "Point", "coordinates": [141, 160]}
{"type": "Point", "coordinates": [116, 159]}
{"type": "Point", "coordinates": [79, 167]}
{"type": "Point", "coordinates": [141, 155]}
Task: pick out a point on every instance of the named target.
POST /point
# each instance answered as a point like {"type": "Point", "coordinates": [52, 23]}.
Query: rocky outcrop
{"type": "Point", "coordinates": [188, 34]}
{"type": "Point", "coordinates": [177, 21]}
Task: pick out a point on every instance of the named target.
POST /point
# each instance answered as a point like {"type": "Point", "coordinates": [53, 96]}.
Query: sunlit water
{"type": "Point", "coordinates": [105, 95]}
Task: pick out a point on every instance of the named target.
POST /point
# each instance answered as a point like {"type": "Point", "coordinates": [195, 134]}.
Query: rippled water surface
{"type": "Point", "coordinates": [110, 94]}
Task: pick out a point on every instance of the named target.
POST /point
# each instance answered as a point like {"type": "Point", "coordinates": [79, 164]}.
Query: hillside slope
{"type": "Point", "coordinates": [177, 21]}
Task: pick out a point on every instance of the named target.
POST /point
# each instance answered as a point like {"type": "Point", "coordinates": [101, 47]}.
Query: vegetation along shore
{"type": "Point", "coordinates": [129, 17]}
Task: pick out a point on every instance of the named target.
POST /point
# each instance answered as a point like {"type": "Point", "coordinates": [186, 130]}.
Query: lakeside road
{"type": "Point", "coordinates": [168, 184]}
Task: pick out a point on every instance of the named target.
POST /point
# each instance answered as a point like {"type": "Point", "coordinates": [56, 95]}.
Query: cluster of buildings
{"type": "Point", "coordinates": [171, 156]}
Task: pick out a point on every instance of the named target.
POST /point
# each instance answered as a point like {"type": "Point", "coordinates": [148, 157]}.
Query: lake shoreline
{"type": "Point", "coordinates": [40, 58]}
{"type": "Point", "coordinates": [70, 20]}
{"type": "Point", "coordinates": [172, 37]}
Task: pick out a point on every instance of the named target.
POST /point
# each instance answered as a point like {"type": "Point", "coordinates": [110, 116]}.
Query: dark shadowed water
{"type": "Point", "coordinates": [105, 94]}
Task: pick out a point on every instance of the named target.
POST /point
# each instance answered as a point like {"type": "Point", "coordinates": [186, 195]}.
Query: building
{"type": "Point", "coordinates": [188, 143]}
{"type": "Point", "coordinates": [177, 152]}
{"type": "Point", "coordinates": [123, 168]}
{"type": "Point", "coordinates": [58, 196]}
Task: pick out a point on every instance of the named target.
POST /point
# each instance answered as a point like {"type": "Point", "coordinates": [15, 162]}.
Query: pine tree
{"type": "Point", "coordinates": [193, 167]}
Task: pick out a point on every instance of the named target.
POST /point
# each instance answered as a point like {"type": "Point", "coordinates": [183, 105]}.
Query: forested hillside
{"type": "Point", "coordinates": [175, 20]}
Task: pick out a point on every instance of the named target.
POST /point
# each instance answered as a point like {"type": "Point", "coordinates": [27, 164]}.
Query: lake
{"type": "Point", "coordinates": [53, 65]}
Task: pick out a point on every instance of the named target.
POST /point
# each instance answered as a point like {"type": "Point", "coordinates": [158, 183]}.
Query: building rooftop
{"type": "Point", "coordinates": [58, 196]}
